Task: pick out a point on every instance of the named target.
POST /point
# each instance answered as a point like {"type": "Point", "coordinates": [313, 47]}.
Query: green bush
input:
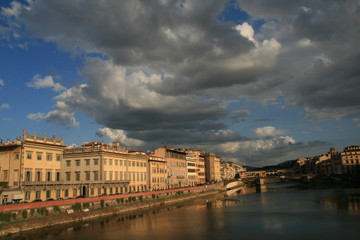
{"type": "Point", "coordinates": [56, 209]}
{"type": "Point", "coordinates": [76, 206]}
{"type": "Point", "coordinates": [102, 203]}
{"type": "Point", "coordinates": [5, 217]}
{"type": "Point", "coordinates": [24, 214]}
{"type": "Point", "coordinates": [140, 198]}
{"type": "Point", "coordinates": [133, 199]}
{"type": "Point", "coordinates": [86, 205]}
{"type": "Point", "coordinates": [32, 211]}
{"type": "Point", "coordinates": [153, 196]}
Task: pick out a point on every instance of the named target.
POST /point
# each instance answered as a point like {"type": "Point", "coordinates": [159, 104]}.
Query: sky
{"type": "Point", "coordinates": [256, 82]}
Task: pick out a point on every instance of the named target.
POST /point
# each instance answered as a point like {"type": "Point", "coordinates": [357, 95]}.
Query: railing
{"type": "Point", "coordinates": [95, 149]}
{"type": "Point", "coordinates": [42, 183]}
{"type": "Point", "coordinates": [44, 139]}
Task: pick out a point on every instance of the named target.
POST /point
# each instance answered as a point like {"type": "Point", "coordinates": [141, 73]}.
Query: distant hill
{"type": "Point", "coordinates": [283, 165]}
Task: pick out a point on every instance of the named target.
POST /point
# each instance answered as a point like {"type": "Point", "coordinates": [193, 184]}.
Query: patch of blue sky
{"type": "Point", "coordinates": [233, 13]}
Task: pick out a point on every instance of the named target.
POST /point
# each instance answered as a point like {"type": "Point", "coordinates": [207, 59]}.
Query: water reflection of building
{"type": "Point", "coordinates": [349, 202]}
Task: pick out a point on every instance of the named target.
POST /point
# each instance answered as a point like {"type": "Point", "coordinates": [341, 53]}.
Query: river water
{"type": "Point", "coordinates": [283, 212]}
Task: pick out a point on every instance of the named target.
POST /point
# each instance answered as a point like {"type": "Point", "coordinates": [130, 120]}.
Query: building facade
{"type": "Point", "coordinates": [157, 173]}
{"type": "Point", "coordinates": [176, 167]}
{"type": "Point", "coordinates": [30, 168]}
{"type": "Point", "coordinates": [212, 167]}
{"type": "Point", "coordinates": [99, 169]}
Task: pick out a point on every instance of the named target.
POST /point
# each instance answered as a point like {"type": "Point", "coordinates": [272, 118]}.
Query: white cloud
{"type": "Point", "coordinates": [120, 136]}
{"type": "Point", "coordinates": [268, 131]}
{"type": "Point", "coordinates": [2, 83]}
{"type": "Point", "coordinates": [12, 11]}
{"type": "Point", "coordinates": [57, 116]}
{"type": "Point", "coordinates": [4, 106]}
{"type": "Point", "coordinates": [46, 82]}
{"type": "Point", "coordinates": [247, 31]}
{"type": "Point", "coordinates": [35, 116]}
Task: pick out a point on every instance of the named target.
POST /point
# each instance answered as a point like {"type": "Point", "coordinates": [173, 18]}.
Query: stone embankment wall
{"type": "Point", "coordinates": [39, 215]}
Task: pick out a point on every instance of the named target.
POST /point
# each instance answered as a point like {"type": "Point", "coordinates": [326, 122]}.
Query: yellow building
{"type": "Point", "coordinates": [30, 168]}
{"type": "Point", "coordinates": [212, 167]}
{"type": "Point", "coordinates": [176, 167]}
{"type": "Point", "coordinates": [350, 161]}
{"type": "Point", "coordinates": [97, 169]}
{"type": "Point", "coordinates": [157, 173]}
{"type": "Point", "coordinates": [196, 158]}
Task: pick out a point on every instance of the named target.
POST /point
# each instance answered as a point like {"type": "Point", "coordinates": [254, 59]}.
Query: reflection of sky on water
{"type": "Point", "coordinates": [301, 214]}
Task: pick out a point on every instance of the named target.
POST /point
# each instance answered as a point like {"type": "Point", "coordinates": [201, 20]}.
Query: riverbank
{"type": "Point", "coordinates": [81, 214]}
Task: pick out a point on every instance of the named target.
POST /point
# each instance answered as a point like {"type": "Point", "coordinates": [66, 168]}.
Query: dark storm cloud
{"type": "Point", "coordinates": [170, 65]}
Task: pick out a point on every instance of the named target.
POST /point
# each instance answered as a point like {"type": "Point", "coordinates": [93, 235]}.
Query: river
{"type": "Point", "coordinates": [283, 212]}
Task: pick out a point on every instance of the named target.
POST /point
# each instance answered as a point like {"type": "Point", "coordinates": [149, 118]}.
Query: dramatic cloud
{"type": "Point", "coordinates": [173, 71]}
{"type": "Point", "coordinates": [120, 136]}
{"type": "Point", "coordinates": [56, 116]}
{"type": "Point", "coordinates": [46, 82]}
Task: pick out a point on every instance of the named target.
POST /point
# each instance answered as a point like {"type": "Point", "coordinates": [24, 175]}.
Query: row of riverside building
{"type": "Point", "coordinates": [38, 168]}
{"type": "Point", "coordinates": [345, 164]}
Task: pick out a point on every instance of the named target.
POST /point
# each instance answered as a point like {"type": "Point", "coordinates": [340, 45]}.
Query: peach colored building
{"type": "Point", "coordinates": [99, 169]}
{"type": "Point", "coordinates": [176, 167]}
{"type": "Point", "coordinates": [212, 167]}
{"type": "Point", "coordinates": [199, 166]}
{"type": "Point", "coordinates": [30, 168]}
{"type": "Point", "coordinates": [157, 173]}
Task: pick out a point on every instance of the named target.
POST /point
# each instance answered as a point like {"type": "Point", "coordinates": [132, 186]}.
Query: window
{"type": "Point", "coordinates": [57, 176]}
{"type": "Point", "coordinates": [28, 155]}
{"type": "Point", "coordinates": [66, 193]}
{"type": "Point", "coordinates": [77, 176]}
{"type": "Point", "coordinates": [77, 162]}
{"type": "Point", "coordinates": [37, 195]}
{"type": "Point", "coordinates": [58, 157]}
{"type": "Point", "coordinates": [121, 162]}
{"type": "Point", "coordinates": [87, 162]}
{"type": "Point", "coordinates": [116, 162]}
{"type": "Point", "coordinates": [96, 161]}
{"type": "Point", "coordinates": [17, 156]}
{"type": "Point", "coordinates": [68, 163]}
{"type": "Point", "coordinates": [68, 176]}
{"type": "Point", "coordinates": [87, 175]}
{"type": "Point", "coordinates": [48, 176]}
{"type": "Point", "coordinates": [110, 162]}
{"type": "Point", "coordinates": [96, 175]}
{"type": "Point", "coordinates": [28, 176]}
{"type": "Point", "coordinates": [74, 192]}
{"type": "Point", "coordinates": [111, 175]}
{"type": "Point", "coordinates": [39, 155]}
{"type": "Point", "coordinates": [49, 156]}
{"type": "Point", "coordinates": [38, 176]}
{"type": "Point", "coordinates": [105, 161]}
{"type": "Point", "coordinates": [5, 175]}
{"type": "Point", "coordinates": [48, 194]}
{"type": "Point", "coordinates": [58, 192]}
{"type": "Point", "coordinates": [27, 195]}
